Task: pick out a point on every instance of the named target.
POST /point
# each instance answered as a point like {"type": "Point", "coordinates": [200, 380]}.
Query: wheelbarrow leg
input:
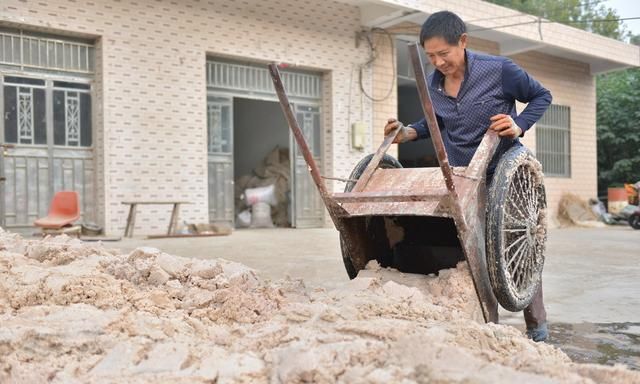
{"type": "Point", "coordinates": [473, 246]}
{"type": "Point", "coordinates": [354, 233]}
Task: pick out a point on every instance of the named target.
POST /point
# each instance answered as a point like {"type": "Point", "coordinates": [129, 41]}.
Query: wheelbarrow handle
{"type": "Point", "coordinates": [297, 132]}
{"type": "Point", "coordinates": [375, 160]}
{"type": "Point", "coordinates": [334, 209]}
{"type": "Point", "coordinates": [430, 117]}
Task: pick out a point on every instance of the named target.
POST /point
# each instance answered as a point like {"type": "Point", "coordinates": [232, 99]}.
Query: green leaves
{"type": "Point", "coordinates": [618, 122]}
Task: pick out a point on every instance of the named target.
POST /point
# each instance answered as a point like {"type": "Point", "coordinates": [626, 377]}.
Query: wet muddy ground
{"type": "Point", "coordinates": [610, 344]}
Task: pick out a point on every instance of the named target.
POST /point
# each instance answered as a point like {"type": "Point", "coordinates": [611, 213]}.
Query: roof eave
{"type": "Point", "coordinates": [494, 23]}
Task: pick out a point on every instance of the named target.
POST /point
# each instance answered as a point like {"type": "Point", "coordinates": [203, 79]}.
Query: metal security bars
{"type": "Point", "coordinates": [47, 124]}
{"type": "Point", "coordinates": [553, 141]}
{"type": "Point", "coordinates": [256, 80]}
{"type": "Point", "coordinates": [26, 51]}
{"type": "Point", "coordinates": [71, 115]}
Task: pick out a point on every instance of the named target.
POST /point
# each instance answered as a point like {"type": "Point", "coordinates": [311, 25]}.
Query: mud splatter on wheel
{"type": "Point", "coordinates": [375, 225]}
{"type": "Point", "coordinates": [516, 228]}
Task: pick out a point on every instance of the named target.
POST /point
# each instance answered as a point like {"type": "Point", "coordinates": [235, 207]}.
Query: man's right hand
{"type": "Point", "coordinates": [405, 134]}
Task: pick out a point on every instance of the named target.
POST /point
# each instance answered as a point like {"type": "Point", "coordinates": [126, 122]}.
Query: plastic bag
{"type": "Point", "coordinates": [243, 219]}
{"type": "Point", "coordinates": [261, 216]}
{"type": "Point", "coordinates": [261, 195]}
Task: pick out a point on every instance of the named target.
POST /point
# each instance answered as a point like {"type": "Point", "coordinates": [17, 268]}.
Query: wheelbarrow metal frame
{"type": "Point", "coordinates": [458, 193]}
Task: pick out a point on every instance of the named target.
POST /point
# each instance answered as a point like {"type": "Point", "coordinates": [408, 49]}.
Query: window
{"type": "Point", "coordinates": [553, 147]}
{"type": "Point", "coordinates": [71, 117]}
{"type": "Point", "coordinates": [25, 121]}
{"type": "Point", "coordinates": [24, 111]}
{"type": "Point", "coordinates": [24, 50]}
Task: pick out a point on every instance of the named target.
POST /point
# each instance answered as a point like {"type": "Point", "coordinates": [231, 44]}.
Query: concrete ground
{"type": "Point", "coordinates": [590, 275]}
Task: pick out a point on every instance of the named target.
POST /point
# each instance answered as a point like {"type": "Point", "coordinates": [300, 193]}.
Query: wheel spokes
{"type": "Point", "coordinates": [521, 228]}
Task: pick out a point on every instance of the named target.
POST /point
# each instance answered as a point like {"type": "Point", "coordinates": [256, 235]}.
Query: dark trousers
{"type": "Point", "coordinates": [535, 314]}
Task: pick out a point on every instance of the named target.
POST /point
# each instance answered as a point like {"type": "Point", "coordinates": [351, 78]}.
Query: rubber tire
{"type": "Point", "coordinates": [387, 162]}
{"type": "Point", "coordinates": [634, 221]}
{"type": "Point", "coordinates": [499, 191]}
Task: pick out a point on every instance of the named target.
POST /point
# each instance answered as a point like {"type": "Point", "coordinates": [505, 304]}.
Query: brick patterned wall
{"type": "Point", "coordinates": [150, 88]}
{"type": "Point", "coordinates": [384, 77]}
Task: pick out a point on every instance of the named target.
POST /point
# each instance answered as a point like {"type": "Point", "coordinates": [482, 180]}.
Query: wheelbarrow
{"type": "Point", "coordinates": [423, 220]}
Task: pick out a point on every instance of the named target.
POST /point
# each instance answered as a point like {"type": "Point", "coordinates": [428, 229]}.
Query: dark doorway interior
{"type": "Point", "coordinates": [417, 153]}
{"type": "Point", "coordinates": [261, 155]}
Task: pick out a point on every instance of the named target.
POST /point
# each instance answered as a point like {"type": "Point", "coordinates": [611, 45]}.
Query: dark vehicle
{"type": "Point", "coordinates": [634, 219]}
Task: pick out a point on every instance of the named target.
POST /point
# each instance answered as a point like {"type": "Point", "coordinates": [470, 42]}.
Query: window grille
{"type": "Point", "coordinates": [257, 79]}
{"type": "Point", "coordinates": [553, 139]}
{"type": "Point", "coordinates": [24, 51]}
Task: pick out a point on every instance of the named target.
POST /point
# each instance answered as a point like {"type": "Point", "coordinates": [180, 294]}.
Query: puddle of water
{"type": "Point", "coordinates": [610, 343]}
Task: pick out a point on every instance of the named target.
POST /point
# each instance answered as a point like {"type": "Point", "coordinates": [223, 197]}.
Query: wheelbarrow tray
{"type": "Point", "coordinates": [402, 191]}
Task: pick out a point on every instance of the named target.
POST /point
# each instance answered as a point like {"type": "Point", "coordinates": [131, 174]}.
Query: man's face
{"type": "Point", "coordinates": [445, 57]}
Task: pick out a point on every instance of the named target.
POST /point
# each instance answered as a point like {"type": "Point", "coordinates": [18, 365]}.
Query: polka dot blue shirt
{"type": "Point", "coordinates": [491, 85]}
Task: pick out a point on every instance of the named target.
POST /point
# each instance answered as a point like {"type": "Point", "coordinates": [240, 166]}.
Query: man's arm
{"type": "Point", "coordinates": [421, 127]}
{"type": "Point", "coordinates": [518, 85]}
{"type": "Point", "coordinates": [413, 131]}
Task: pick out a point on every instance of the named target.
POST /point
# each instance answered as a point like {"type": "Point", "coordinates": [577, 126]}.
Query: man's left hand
{"type": "Point", "coordinates": [505, 126]}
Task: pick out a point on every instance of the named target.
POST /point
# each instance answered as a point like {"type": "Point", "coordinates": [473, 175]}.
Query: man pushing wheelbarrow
{"type": "Point", "coordinates": [472, 93]}
{"type": "Point", "coordinates": [422, 220]}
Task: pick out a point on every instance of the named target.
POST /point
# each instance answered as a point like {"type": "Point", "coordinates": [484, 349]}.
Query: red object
{"type": "Point", "coordinates": [617, 194]}
{"type": "Point", "coordinates": [64, 210]}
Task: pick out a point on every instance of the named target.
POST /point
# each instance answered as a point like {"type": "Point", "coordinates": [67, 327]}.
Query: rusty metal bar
{"type": "Point", "coordinates": [430, 115]}
{"type": "Point", "coordinates": [477, 168]}
{"type": "Point", "coordinates": [339, 179]}
{"type": "Point", "coordinates": [362, 197]}
{"type": "Point", "coordinates": [375, 161]}
{"type": "Point", "coordinates": [297, 132]}
{"type": "Point", "coordinates": [335, 211]}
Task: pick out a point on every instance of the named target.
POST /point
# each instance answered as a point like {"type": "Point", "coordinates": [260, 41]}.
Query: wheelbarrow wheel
{"type": "Point", "coordinates": [516, 228]}
{"type": "Point", "coordinates": [374, 224]}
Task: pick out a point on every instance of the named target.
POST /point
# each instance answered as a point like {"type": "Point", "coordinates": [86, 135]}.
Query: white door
{"type": "Point", "coordinates": [47, 123]}
{"type": "Point", "coordinates": [220, 159]}
{"type": "Point", "coordinates": [307, 205]}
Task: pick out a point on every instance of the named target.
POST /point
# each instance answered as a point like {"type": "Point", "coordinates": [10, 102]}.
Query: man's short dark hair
{"type": "Point", "coordinates": [443, 24]}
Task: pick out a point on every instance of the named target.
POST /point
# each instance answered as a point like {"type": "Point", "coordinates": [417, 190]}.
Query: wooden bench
{"type": "Point", "coordinates": [131, 218]}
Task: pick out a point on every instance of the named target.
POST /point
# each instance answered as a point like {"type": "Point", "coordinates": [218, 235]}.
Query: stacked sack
{"type": "Point", "coordinates": [273, 172]}
{"type": "Point", "coordinates": [259, 200]}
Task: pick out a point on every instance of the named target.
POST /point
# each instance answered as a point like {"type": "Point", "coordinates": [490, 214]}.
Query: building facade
{"type": "Point", "coordinates": [171, 100]}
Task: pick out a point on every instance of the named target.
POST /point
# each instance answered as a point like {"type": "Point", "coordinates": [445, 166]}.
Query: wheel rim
{"type": "Point", "coordinates": [524, 229]}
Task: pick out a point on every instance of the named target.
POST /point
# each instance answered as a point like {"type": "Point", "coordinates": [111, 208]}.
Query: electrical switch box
{"type": "Point", "coordinates": [358, 135]}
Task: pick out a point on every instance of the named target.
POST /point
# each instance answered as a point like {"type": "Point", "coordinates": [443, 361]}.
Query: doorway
{"type": "Point", "coordinates": [261, 157]}
{"type": "Point", "coordinates": [47, 147]}
{"type": "Point", "coordinates": [46, 132]}
{"type": "Point", "coordinates": [419, 153]}
{"type": "Point", "coordinates": [246, 127]}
